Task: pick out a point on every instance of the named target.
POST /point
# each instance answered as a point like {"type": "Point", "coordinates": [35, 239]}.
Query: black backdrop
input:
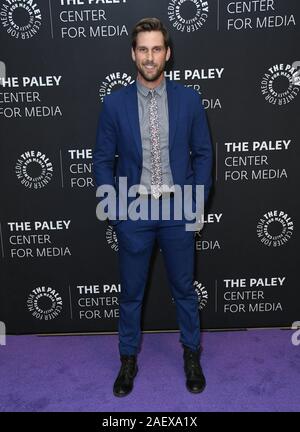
{"type": "Point", "coordinates": [59, 267]}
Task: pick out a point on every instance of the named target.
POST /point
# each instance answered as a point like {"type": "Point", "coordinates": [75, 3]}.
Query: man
{"type": "Point", "coordinates": [159, 131]}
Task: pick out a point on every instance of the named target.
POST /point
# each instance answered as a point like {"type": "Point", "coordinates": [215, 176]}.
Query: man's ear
{"type": "Point", "coordinates": [132, 54]}
{"type": "Point", "coordinates": [168, 53]}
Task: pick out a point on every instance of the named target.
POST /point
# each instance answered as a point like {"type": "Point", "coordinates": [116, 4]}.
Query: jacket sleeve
{"type": "Point", "coordinates": [201, 148]}
{"type": "Point", "coordinates": [105, 149]}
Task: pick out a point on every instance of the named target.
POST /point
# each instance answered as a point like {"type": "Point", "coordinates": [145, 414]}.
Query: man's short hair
{"type": "Point", "coordinates": [149, 24]}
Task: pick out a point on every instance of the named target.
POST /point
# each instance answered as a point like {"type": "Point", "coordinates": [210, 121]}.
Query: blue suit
{"type": "Point", "coordinates": [190, 155]}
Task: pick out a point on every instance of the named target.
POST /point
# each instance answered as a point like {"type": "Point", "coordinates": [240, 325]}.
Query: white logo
{"type": "Point", "coordinates": [188, 15]}
{"type": "Point", "coordinates": [34, 169]}
{"type": "Point", "coordinates": [20, 18]}
{"type": "Point", "coordinates": [202, 295]}
{"type": "Point", "coordinates": [111, 238]}
{"type": "Point", "coordinates": [44, 303]}
{"type": "Point", "coordinates": [280, 85]}
{"type": "Point", "coordinates": [275, 228]}
{"type": "Point", "coordinates": [114, 81]}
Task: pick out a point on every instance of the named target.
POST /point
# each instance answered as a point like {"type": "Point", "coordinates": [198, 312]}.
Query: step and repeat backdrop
{"type": "Point", "coordinates": [59, 59]}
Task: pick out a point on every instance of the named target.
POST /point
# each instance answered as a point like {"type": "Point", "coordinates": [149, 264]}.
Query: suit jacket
{"type": "Point", "coordinates": [118, 132]}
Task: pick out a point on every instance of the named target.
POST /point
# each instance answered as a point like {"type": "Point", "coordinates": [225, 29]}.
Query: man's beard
{"type": "Point", "coordinates": [149, 77]}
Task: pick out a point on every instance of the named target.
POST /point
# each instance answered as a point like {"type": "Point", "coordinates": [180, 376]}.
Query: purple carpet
{"type": "Point", "coordinates": [255, 370]}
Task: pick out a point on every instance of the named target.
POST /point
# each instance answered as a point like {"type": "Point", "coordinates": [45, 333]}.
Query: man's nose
{"type": "Point", "coordinates": [150, 55]}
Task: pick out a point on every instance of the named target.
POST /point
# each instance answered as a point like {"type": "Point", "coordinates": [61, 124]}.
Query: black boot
{"type": "Point", "coordinates": [124, 382]}
{"type": "Point", "coordinates": [195, 380]}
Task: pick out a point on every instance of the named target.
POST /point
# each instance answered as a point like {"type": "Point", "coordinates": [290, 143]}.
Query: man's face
{"type": "Point", "coordinates": [150, 56]}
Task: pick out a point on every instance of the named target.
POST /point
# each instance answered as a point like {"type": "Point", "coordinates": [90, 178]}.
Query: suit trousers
{"type": "Point", "coordinates": [136, 239]}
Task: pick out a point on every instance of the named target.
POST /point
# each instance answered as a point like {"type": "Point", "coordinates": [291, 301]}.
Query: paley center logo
{"type": "Point", "coordinates": [275, 228]}
{"type": "Point", "coordinates": [114, 81]}
{"type": "Point", "coordinates": [188, 15]}
{"type": "Point", "coordinates": [34, 169]}
{"type": "Point", "coordinates": [21, 19]}
{"type": "Point", "coordinates": [111, 238]}
{"type": "Point", "coordinates": [44, 303]}
{"type": "Point", "coordinates": [281, 83]}
{"type": "Point", "coordinates": [202, 295]}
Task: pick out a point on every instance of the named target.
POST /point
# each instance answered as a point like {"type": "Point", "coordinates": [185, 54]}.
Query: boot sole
{"type": "Point", "coordinates": [196, 391]}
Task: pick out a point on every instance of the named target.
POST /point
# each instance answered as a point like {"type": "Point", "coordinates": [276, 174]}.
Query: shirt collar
{"type": "Point", "coordinates": [145, 91]}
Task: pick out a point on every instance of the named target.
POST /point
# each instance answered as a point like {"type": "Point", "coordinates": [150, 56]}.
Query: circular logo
{"type": "Point", "coordinates": [111, 238]}
{"type": "Point", "coordinates": [34, 169]}
{"type": "Point", "coordinates": [280, 85]}
{"type": "Point", "coordinates": [113, 82]}
{"type": "Point", "coordinates": [275, 228]}
{"type": "Point", "coordinates": [21, 19]}
{"type": "Point", "coordinates": [202, 295]}
{"type": "Point", "coordinates": [187, 15]}
{"type": "Point", "coordinates": [44, 303]}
